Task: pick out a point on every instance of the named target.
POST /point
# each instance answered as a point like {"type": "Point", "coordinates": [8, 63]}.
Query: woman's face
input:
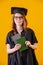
{"type": "Point", "coordinates": [18, 19]}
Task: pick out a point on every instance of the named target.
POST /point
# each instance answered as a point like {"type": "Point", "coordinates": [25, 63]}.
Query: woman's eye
{"type": "Point", "coordinates": [21, 17]}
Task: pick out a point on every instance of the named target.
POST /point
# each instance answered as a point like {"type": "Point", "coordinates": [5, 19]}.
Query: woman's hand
{"type": "Point", "coordinates": [27, 43]}
{"type": "Point", "coordinates": [17, 47]}
{"type": "Point", "coordinates": [34, 46]}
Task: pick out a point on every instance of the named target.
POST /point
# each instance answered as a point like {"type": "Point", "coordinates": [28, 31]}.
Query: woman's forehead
{"type": "Point", "coordinates": [18, 14]}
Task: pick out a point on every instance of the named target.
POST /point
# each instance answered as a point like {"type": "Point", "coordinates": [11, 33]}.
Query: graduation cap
{"type": "Point", "coordinates": [18, 10]}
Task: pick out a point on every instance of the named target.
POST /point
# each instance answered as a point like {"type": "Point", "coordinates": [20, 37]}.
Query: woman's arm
{"type": "Point", "coordinates": [34, 46]}
{"type": "Point", "coordinates": [16, 47]}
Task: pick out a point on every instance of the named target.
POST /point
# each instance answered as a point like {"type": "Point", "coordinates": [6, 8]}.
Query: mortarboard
{"type": "Point", "coordinates": [18, 10]}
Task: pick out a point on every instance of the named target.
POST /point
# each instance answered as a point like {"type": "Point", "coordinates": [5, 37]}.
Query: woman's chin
{"type": "Point", "coordinates": [19, 24]}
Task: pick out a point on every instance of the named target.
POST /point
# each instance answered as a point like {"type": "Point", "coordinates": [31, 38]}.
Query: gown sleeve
{"type": "Point", "coordinates": [30, 36]}
{"type": "Point", "coordinates": [8, 39]}
{"type": "Point", "coordinates": [34, 39]}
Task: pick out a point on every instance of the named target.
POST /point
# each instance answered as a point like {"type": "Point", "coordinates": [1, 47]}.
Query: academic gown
{"type": "Point", "coordinates": [26, 57]}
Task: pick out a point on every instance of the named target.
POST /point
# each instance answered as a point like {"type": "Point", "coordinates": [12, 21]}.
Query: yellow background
{"type": "Point", "coordinates": [35, 21]}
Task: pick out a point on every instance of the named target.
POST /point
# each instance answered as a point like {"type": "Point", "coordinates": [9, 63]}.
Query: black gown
{"type": "Point", "coordinates": [26, 57]}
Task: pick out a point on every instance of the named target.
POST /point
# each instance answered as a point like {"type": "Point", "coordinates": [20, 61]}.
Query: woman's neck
{"type": "Point", "coordinates": [19, 29]}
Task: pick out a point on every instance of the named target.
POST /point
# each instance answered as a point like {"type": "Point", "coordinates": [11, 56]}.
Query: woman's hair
{"type": "Point", "coordinates": [24, 25]}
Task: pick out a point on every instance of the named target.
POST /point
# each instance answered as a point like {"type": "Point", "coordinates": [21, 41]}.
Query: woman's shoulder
{"type": "Point", "coordinates": [30, 30]}
{"type": "Point", "coordinates": [10, 33]}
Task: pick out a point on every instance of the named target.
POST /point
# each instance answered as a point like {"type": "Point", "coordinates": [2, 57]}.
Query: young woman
{"type": "Point", "coordinates": [26, 57]}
